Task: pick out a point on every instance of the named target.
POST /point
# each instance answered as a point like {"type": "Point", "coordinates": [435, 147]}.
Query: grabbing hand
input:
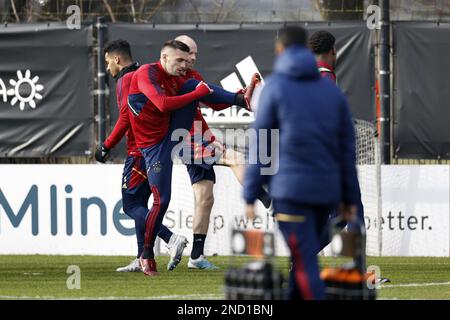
{"type": "Point", "coordinates": [203, 88]}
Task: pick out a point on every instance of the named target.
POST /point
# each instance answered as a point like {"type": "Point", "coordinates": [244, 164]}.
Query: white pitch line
{"type": "Point", "coordinates": [168, 297]}
{"type": "Point", "coordinates": [415, 285]}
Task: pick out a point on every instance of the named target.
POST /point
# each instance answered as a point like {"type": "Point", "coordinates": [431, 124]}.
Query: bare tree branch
{"type": "Point", "coordinates": [30, 12]}
{"type": "Point", "coordinates": [46, 17]}
{"type": "Point", "coordinates": [229, 10]}
{"type": "Point", "coordinates": [63, 10]}
{"type": "Point", "coordinates": [108, 8]}
{"type": "Point", "coordinates": [133, 10]}
{"type": "Point", "coordinates": [220, 11]}
{"type": "Point", "coordinates": [141, 9]}
{"type": "Point", "coordinates": [196, 11]}
{"type": "Point", "coordinates": [161, 2]}
{"type": "Point", "coordinates": [81, 8]}
{"type": "Point", "coordinates": [13, 5]}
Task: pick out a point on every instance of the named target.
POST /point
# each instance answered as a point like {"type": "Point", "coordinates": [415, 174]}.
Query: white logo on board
{"type": "Point", "coordinates": [246, 68]}
{"type": "Point", "coordinates": [25, 90]}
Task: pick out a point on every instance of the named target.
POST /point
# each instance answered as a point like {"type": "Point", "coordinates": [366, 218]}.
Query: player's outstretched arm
{"type": "Point", "coordinates": [148, 84]}
{"type": "Point", "coordinates": [222, 99]}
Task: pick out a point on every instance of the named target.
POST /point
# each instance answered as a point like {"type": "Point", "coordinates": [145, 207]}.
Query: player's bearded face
{"type": "Point", "coordinates": [175, 62]}
{"type": "Point", "coordinates": [192, 58]}
{"type": "Point", "coordinates": [190, 64]}
{"type": "Point", "coordinates": [111, 64]}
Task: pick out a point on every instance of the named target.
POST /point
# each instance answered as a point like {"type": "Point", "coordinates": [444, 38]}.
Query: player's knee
{"type": "Point", "coordinates": [233, 158]}
{"type": "Point", "coordinates": [128, 207]}
{"type": "Point", "coordinates": [163, 201]}
{"type": "Point", "coordinates": [206, 200]}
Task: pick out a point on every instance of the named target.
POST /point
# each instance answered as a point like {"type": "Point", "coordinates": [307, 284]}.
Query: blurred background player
{"type": "Point", "coordinates": [322, 43]}
{"type": "Point", "coordinates": [317, 170]}
{"type": "Point", "coordinates": [163, 104]}
{"type": "Point", "coordinates": [202, 176]}
{"type": "Point", "coordinates": [135, 188]}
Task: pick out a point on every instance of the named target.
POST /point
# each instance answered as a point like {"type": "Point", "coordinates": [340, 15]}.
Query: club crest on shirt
{"type": "Point", "coordinates": [157, 167]}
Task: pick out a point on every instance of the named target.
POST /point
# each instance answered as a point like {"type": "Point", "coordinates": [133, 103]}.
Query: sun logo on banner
{"type": "Point", "coordinates": [25, 90]}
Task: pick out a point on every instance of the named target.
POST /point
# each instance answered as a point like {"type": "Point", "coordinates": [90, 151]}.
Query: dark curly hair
{"type": "Point", "coordinates": [121, 47]}
{"type": "Point", "coordinates": [321, 42]}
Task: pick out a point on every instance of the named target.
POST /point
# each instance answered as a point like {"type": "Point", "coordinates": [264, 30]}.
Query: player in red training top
{"type": "Point", "coordinates": [322, 44]}
{"type": "Point", "coordinates": [205, 147]}
{"type": "Point", "coordinates": [163, 105]}
{"type": "Point", "coordinates": [135, 188]}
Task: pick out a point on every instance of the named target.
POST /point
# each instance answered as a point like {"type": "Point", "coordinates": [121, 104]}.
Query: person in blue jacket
{"type": "Point", "coordinates": [316, 158]}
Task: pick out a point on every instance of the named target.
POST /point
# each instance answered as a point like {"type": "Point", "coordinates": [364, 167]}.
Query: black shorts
{"type": "Point", "coordinates": [198, 173]}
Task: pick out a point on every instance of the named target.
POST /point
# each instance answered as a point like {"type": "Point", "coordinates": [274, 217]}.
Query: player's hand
{"type": "Point", "coordinates": [203, 88]}
{"type": "Point", "coordinates": [250, 211]}
{"type": "Point", "coordinates": [218, 149]}
{"type": "Point", "coordinates": [250, 89]}
{"type": "Point", "coordinates": [240, 96]}
{"type": "Point", "coordinates": [348, 212]}
{"type": "Point", "coordinates": [102, 154]}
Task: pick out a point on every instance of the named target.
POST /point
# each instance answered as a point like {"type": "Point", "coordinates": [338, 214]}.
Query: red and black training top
{"type": "Point", "coordinates": [123, 125]}
{"type": "Point", "coordinates": [326, 71]}
{"type": "Point", "coordinates": [151, 99]}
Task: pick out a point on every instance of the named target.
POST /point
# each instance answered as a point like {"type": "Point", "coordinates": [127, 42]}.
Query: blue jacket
{"type": "Point", "coordinates": [316, 163]}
